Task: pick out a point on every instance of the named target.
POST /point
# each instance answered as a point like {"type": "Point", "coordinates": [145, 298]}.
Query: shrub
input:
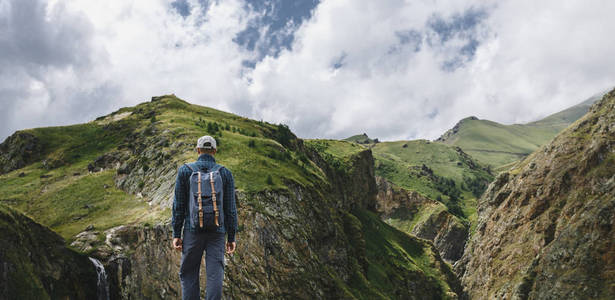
{"type": "Point", "coordinates": [269, 180]}
{"type": "Point", "coordinates": [284, 135]}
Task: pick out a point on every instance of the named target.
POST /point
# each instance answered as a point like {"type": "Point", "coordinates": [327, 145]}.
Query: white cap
{"type": "Point", "coordinates": [206, 142]}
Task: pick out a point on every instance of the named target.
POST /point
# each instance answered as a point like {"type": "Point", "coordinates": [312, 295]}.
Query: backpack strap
{"type": "Point", "coordinates": [200, 202]}
{"type": "Point", "coordinates": [213, 198]}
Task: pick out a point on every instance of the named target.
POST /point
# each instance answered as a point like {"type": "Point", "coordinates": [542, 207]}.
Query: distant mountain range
{"type": "Point", "coordinates": [499, 145]}
{"type": "Point", "coordinates": [318, 218]}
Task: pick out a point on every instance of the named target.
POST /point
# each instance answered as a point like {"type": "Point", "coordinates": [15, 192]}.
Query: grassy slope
{"type": "Point", "coordinates": [496, 144]}
{"type": "Point", "coordinates": [67, 198]}
{"type": "Point", "coordinates": [70, 198]}
{"type": "Point", "coordinates": [50, 271]}
{"type": "Point", "coordinates": [361, 139]}
{"type": "Point", "coordinates": [501, 145]}
{"type": "Point", "coordinates": [393, 261]}
{"type": "Point", "coordinates": [401, 165]}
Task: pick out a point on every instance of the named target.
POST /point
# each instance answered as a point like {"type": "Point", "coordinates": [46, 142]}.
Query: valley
{"type": "Point", "coordinates": [319, 218]}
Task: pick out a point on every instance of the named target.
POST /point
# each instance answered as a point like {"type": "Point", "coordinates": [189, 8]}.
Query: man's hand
{"type": "Point", "coordinates": [230, 247]}
{"type": "Point", "coordinates": [177, 243]}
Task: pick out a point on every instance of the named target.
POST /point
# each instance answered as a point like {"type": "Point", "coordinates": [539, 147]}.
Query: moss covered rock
{"type": "Point", "coordinates": [36, 264]}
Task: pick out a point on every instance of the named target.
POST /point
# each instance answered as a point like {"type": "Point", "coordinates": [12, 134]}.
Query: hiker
{"type": "Point", "coordinates": [204, 206]}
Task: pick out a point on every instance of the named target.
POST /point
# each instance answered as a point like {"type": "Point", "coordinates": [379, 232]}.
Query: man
{"type": "Point", "coordinates": [199, 238]}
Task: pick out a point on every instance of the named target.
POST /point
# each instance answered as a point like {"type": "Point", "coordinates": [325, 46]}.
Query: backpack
{"type": "Point", "coordinates": [205, 199]}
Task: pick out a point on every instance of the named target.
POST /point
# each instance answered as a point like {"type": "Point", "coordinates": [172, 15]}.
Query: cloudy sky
{"type": "Point", "coordinates": [391, 68]}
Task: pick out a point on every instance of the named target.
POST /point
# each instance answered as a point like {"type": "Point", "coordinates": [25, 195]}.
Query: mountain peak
{"type": "Point", "coordinates": [362, 139]}
{"type": "Point", "coordinates": [450, 135]}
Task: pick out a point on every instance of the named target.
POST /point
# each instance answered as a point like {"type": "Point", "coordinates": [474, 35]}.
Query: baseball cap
{"type": "Point", "coordinates": [206, 142]}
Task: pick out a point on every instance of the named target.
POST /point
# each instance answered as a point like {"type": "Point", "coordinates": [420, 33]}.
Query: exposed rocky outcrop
{"type": "Point", "coordinates": [546, 229]}
{"type": "Point", "coordinates": [296, 243]}
{"type": "Point", "coordinates": [35, 263]}
{"type": "Point", "coordinates": [19, 150]}
{"type": "Point", "coordinates": [144, 161]}
{"type": "Point", "coordinates": [309, 232]}
{"type": "Point", "coordinates": [445, 230]}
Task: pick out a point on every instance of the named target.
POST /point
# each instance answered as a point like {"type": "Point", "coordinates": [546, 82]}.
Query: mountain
{"type": "Point", "coordinates": [428, 190]}
{"type": "Point", "coordinates": [308, 227]}
{"type": "Point", "coordinates": [500, 145]}
{"type": "Point", "coordinates": [361, 139]}
{"type": "Point", "coordinates": [36, 264]}
{"type": "Point", "coordinates": [546, 227]}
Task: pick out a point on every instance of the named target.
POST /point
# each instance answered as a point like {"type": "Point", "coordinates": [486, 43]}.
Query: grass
{"type": "Point", "coordinates": [58, 190]}
{"type": "Point", "coordinates": [406, 221]}
{"type": "Point", "coordinates": [402, 163]}
{"type": "Point", "coordinates": [49, 270]}
{"type": "Point", "coordinates": [361, 139]}
{"type": "Point", "coordinates": [248, 148]}
{"type": "Point", "coordinates": [262, 156]}
{"type": "Point", "coordinates": [71, 203]}
{"type": "Point", "coordinates": [496, 144]}
{"type": "Point", "coordinates": [501, 145]}
{"type": "Point", "coordinates": [394, 261]}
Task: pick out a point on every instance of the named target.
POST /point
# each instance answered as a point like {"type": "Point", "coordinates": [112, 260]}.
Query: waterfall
{"type": "Point", "coordinates": [102, 284]}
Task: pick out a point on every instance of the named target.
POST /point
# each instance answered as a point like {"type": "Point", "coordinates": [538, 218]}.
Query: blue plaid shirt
{"type": "Point", "coordinates": [182, 190]}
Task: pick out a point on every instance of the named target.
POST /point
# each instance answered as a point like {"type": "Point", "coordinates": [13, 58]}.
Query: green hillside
{"type": "Point", "coordinates": [361, 139]}
{"type": "Point", "coordinates": [437, 171]}
{"type": "Point", "coordinates": [59, 191]}
{"type": "Point", "coordinates": [120, 170]}
{"type": "Point", "coordinates": [434, 170]}
{"type": "Point", "coordinates": [499, 145]}
{"type": "Point", "coordinates": [38, 265]}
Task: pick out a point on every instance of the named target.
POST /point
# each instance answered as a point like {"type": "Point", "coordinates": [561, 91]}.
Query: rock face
{"type": "Point", "coordinates": [18, 150]}
{"type": "Point", "coordinates": [546, 229]}
{"type": "Point", "coordinates": [295, 244]}
{"type": "Point", "coordinates": [446, 231]}
{"type": "Point", "coordinates": [37, 265]}
{"type": "Point", "coordinates": [307, 227]}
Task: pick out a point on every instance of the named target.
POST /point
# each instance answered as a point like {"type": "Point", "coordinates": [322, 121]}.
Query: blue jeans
{"type": "Point", "coordinates": [192, 251]}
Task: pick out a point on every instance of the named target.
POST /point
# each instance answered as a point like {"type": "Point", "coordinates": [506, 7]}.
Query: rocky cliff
{"type": "Point", "coordinates": [297, 243]}
{"type": "Point", "coordinates": [418, 215]}
{"type": "Point", "coordinates": [545, 228]}
{"type": "Point", "coordinates": [36, 264]}
{"type": "Point", "coordinates": [306, 231]}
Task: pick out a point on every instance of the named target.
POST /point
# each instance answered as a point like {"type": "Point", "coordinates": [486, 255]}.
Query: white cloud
{"type": "Point", "coordinates": [394, 69]}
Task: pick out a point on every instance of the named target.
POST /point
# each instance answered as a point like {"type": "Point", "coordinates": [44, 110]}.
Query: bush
{"type": "Point", "coordinates": [269, 180]}
{"type": "Point", "coordinates": [251, 144]}
{"type": "Point", "coordinates": [284, 135]}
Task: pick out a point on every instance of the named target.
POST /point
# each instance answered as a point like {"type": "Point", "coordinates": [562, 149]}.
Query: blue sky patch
{"type": "Point", "coordinates": [182, 7]}
{"type": "Point", "coordinates": [274, 29]}
{"type": "Point", "coordinates": [462, 26]}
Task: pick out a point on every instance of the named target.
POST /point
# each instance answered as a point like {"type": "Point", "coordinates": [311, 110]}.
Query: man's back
{"type": "Point", "coordinates": [196, 236]}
